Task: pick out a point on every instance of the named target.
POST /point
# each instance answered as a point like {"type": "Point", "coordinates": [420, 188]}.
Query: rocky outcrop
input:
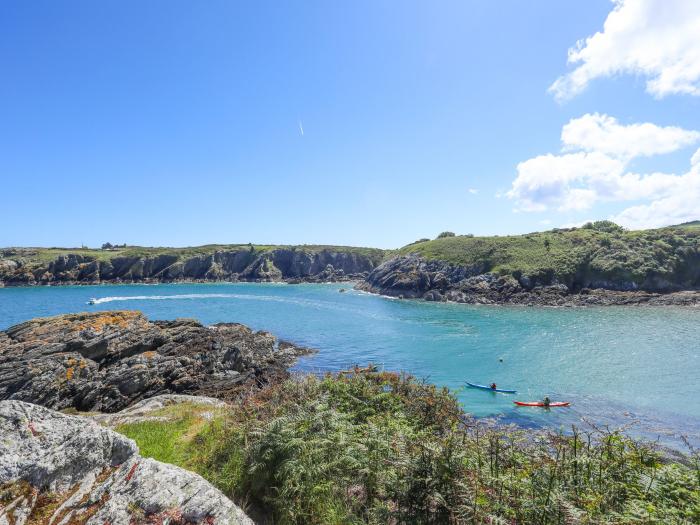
{"type": "Point", "coordinates": [411, 276]}
{"type": "Point", "coordinates": [25, 267]}
{"type": "Point", "coordinates": [106, 361]}
{"type": "Point", "coordinates": [62, 469]}
{"type": "Point", "coordinates": [151, 409]}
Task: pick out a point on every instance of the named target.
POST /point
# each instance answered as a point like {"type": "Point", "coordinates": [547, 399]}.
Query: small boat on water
{"type": "Point", "coordinates": [92, 301]}
{"type": "Point", "coordinates": [541, 404]}
{"type": "Point", "coordinates": [486, 387]}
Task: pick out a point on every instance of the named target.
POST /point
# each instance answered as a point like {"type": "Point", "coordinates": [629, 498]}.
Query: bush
{"type": "Point", "coordinates": [379, 448]}
{"type": "Point", "coordinates": [445, 234]}
{"type": "Point", "coordinates": [604, 226]}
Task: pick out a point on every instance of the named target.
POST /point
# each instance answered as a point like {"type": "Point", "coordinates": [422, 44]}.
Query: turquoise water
{"type": "Point", "coordinates": [618, 366]}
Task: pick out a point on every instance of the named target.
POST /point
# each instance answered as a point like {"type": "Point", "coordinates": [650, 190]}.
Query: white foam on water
{"type": "Point", "coordinates": [103, 300]}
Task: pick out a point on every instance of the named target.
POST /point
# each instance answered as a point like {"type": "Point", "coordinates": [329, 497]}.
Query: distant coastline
{"type": "Point", "coordinates": [595, 265]}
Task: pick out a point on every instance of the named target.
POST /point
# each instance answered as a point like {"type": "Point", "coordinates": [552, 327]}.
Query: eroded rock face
{"type": "Point", "coordinates": [64, 469]}
{"type": "Point", "coordinates": [105, 361]}
{"type": "Point", "coordinates": [411, 276]}
{"type": "Point", "coordinates": [294, 264]}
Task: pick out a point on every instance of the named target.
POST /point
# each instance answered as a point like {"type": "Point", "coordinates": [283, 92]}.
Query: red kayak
{"type": "Point", "coordinates": [540, 404]}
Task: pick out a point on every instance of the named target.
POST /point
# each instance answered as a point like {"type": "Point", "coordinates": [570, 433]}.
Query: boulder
{"type": "Point", "coordinates": [62, 469]}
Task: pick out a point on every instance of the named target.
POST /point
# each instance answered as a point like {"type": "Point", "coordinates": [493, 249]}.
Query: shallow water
{"type": "Point", "coordinates": [617, 365]}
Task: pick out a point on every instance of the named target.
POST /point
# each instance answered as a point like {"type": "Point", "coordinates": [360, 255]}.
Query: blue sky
{"type": "Point", "coordinates": [180, 123]}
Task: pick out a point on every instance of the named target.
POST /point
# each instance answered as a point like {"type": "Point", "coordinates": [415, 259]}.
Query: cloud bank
{"type": "Point", "coordinates": [656, 39]}
{"type": "Point", "coordinates": [593, 167]}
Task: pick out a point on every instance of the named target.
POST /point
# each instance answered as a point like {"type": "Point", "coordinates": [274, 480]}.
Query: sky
{"type": "Point", "coordinates": [371, 123]}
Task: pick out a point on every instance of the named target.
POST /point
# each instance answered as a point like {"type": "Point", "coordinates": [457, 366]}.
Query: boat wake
{"type": "Point", "coordinates": [104, 300]}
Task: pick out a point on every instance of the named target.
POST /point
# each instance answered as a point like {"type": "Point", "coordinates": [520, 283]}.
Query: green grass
{"type": "Point", "coordinates": [571, 254]}
{"type": "Point", "coordinates": [165, 440]}
{"type": "Point", "coordinates": [385, 448]}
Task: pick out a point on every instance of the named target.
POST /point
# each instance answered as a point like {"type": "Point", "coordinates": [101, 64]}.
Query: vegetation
{"type": "Point", "coordinates": [369, 447]}
{"type": "Point", "coordinates": [445, 234]}
{"type": "Point", "coordinates": [43, 256]}
{"type": "Point", "coordinates": [600, 250]}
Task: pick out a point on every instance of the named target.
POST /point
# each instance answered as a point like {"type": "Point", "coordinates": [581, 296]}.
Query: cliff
{"type": "Point", "coordinates": [597, 264]}
{"type": "Point", "coordinates": [29, 266]}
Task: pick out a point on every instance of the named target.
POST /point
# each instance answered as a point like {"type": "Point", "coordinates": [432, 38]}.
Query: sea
{"type": "Point", "coordinates": [631, 368]}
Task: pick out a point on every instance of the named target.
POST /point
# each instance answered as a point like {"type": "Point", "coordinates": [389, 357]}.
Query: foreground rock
{"type": "Point", "coordinates": [151, 409]}
{"type": "Point", "coordinates": [106, 361]}
{"type": "Point", "coordinates": [26, 266]}
{"type": "Point", "coordinates": [64, 469]}
{"type": "Point", "coordinates": [412, 276]}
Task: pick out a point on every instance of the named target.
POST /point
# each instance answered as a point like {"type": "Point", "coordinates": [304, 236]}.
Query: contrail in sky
{"type": "Point", "coordinates": [301, 128]}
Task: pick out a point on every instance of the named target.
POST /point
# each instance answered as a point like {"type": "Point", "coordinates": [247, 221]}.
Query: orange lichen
{"type": "Point", "coordinates": [150, 354]}
{"type": "Point", "coordinates": [69, 373]}
{"type": "Point", "coordinates": [99, 322]}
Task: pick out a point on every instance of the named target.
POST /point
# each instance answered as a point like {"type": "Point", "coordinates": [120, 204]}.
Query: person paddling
{"type": "Point", "coordinates": [493, 386]}
{"type": "Point", "coordinates": [546, 401]}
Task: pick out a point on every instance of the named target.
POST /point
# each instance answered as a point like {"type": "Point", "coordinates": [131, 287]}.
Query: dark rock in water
{"type": "Point", "coordinates": [411, 276]}
{"type": "Point", "coordinates": [56, 468]}
{"type": "Point", "coordinates": [433, 295]}
{"type": "Point", "coordinates": [105, 361]}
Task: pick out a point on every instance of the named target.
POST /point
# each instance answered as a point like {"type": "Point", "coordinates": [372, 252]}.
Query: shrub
{"type": "Point", "coordinates": [445, 234]}
{"type": "Point", "coordinates": [378, 447]}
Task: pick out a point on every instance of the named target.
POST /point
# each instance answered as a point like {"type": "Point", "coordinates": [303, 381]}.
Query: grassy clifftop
{"type": "Point", "coordinates": [601, 248]}
{"type": "Point", "coordinates": [46, 255]}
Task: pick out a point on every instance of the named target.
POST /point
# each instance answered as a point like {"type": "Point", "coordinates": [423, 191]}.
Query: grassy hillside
{"type": "Point", "coordinates": [385, 448]}
{"type": "Point", "coordinates": [601, 248]}
{"type": "Point", "coordinates": [42, 256]}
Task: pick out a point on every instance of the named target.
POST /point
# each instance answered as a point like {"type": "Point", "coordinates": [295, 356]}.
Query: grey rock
{"type": "Point", "coordinates": [74, 470]}
{"type": "Point", "coordinates": [411, 276]}
{"type": "Point", "coordinates": [144, 410]}
{"type": "Point", "coordinates": [106, 361]}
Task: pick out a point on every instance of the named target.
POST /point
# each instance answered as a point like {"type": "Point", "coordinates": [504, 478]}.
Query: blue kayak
{"type": "Point", "coordinates": [485, 387]}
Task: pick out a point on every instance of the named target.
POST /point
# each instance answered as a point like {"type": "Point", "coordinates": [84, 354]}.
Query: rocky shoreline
{"type": "Point", "coordinates": [59, 468]}
{"type": "Point", "coordinates": [412, 277]}
{"type": "Point", "coordinates": [106, 361]}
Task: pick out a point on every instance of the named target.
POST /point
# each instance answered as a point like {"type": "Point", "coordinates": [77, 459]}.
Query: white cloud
{"type": "Point", "coordinates": [473, 191]}
{"type": "Point", "coordinates": [657, 39]}
{"type": "Point", "coordinates": [681, 205]}
{"type": "Point", "coordinates": [598, 171]}
{"type": "Point", "coordinates": [559, 181]}
{"type": "Point", "coordinates": [602, 133]}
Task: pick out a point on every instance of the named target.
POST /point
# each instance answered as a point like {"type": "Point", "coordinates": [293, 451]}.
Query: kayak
{"type": "Point", "coordinates": [541, 404]}
{"type": "Point", "coordinates": [485, 387]}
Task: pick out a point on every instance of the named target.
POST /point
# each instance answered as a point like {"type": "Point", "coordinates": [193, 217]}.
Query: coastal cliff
{"type": "Point", "coordinates": [28, 266]}
{"type": "Point", "coordinates": [596, 265]}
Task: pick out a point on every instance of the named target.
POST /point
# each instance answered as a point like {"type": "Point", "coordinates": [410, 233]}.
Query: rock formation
{"type": "Point", "coordinates": [28, 267]}
{"type": "Point", "coordinates": [411, 276]}
{"type": "Point", "coordinates": [106, 361]}
{"type": "Point", "coordinates": [62, 469]}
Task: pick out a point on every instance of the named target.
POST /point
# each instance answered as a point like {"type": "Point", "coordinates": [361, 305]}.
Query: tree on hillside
{"type": "Point", "coordinates": [445, 234]}
{"type": "Point", "coordinates": [604, 226]}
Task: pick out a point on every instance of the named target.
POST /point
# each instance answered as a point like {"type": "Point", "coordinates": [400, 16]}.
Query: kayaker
{"type": "Point", "coordinates": [546, 401]}
{"type": "Point", "coordinates": [493, 386]}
